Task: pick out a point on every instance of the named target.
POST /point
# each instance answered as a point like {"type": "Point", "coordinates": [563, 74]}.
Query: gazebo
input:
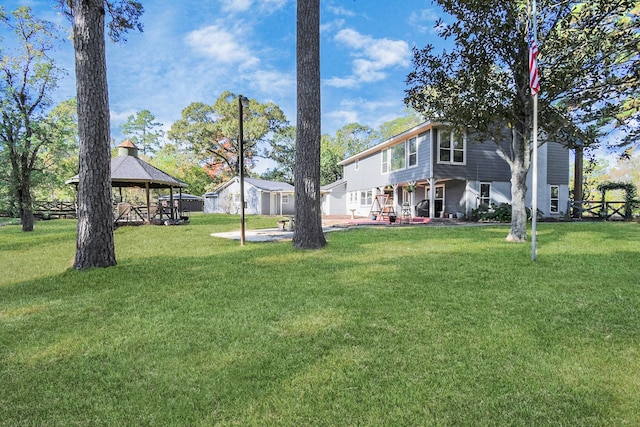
{"type": "Point", "coordinates": [128, 170]}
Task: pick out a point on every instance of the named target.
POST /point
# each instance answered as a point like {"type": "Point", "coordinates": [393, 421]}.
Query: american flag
{"type": "Point", "coordinates": [534, 75]}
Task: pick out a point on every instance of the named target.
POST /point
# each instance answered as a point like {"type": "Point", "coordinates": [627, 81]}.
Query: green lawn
{"type": "Point", "coordinates": [403, 326]}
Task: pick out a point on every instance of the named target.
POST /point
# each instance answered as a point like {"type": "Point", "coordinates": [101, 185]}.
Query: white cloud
{"type": "Point", "coordinates": [222, 45]}
{"type": "Point", "coordinates": [373, 57]}
{"type": "Point", "coordinates": [274, 82]}
{"type": "Point", "coordinates": [264, 6]}
{"type": "Point", "coordinates": [330, 26]}
{"type": "Point", "coordinates": [341, 118]}
{"type": "Point", "coordinates": [342, 11]}
{"type": "Point", "coordinates": [424, 21]}
{"type": "Point", "coordinates": [339, 82]}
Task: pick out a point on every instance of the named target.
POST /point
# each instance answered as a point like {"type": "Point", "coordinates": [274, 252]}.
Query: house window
{"type": "Point", "coordinates": [398, 159]}
{"type": "Point", "coordinates": [451, 147]}
{"type": "Point", "coordinates": [366, 198]}
{"type": "Point", "coordinates": [412, 152]}
{"type": "Point", "coordinates": [555, 199]}
{"type": "Point", "coordinates": [400, 155]}
{"type": "Point", "coordinates": [285, 199]}
{"type": "Point", "coordinates": [385, 161]}
{"type": "Point", "coordinates": [485, 194]}
{"type": "Point", "coordinates": [357, 165]}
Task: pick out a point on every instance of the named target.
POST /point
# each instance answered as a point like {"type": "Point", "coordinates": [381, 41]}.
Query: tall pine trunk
{"type": "Point", "coordinates": [95, 243]}
{"type": "Point", "coordinates": [308, 233]}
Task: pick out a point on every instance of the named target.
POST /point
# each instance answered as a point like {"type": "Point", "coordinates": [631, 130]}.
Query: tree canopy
{"type": "Point", "coordinates": [282, 151]}
{"type": "Point", "coordinates": [28, 76]}
{"type": "Point", "coordinates": [348, 140]}
{"type": "Point", "coordinates": [211, 131]}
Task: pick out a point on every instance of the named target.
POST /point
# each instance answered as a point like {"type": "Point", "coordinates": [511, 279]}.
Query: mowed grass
{"type": "Point", "coordinates": [402, 326]}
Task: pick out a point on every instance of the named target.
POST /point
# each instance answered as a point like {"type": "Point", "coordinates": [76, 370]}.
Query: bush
{"type": "Point", "coordinates": [499, 213]}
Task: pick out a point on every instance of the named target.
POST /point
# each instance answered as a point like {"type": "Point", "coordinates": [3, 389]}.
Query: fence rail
{"type": "Point", "coordinates": [54, 209]}
{"type": "Point", "coordinates": [605, 211]}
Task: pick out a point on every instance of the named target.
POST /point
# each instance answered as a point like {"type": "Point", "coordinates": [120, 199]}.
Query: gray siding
{"type": "Point", "coordinates": [482, 163]}
{"type": "Point", "coordinates": [557, 164]}
{"type": "Point", "coordinates": [368, 174]}
{"type": "Point", "coordinates": [454, 196]}
{"type": "Point", "coordinates": [422, 168]}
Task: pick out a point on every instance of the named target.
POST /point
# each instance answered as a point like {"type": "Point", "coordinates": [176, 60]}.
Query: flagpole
{"type": "Point", "coordinates": [534, 189]}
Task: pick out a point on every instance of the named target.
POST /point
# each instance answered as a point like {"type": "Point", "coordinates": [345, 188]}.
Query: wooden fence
{"type": "Point", "coordinates": [54, 209]}
{"type": "Point", "coordinates": [605, 211]}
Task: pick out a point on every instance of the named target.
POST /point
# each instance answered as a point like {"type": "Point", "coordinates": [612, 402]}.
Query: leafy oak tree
{"type": "Point", "coordinates": [58, 160]}
{"type": "Point", "coordinates": [589, 76]}
{"type": "Point", "coordinates": [28, 76]}
{"type": "Point", "coordinates": [182, 164]}
{"type": "Point", "coordinates": [95, 242]}
{"type": "Point", "coordinates": [348, 140]}
{"type": "Point", "coordinates": [308, 233]}
{"type": "Point", "coordinates": [211, 131]}
{"type": "Point", "coordinates": [282, 151]}
{"type": "Point", "coordinates": [396, 126]}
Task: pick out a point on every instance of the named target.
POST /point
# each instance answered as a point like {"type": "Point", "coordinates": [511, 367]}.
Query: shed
{"type": "Point", "coordinates": [262, 197]}
{"type": "Point", "coordinates": [188, 202]}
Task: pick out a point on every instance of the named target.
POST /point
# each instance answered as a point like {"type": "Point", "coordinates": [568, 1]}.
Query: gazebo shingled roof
{"type": "Point", "coordinates": [128, 170]}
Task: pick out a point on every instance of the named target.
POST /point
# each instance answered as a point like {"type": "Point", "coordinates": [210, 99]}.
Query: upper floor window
{"type": "Point", "coordinates": [357, 165]}
{"type": "Point", "coordinates": [385, 161]}
{"type": "Point", "coordinates": [451, 147]}
{"type": "Point", "coordinates": [412, 152]}
{"type": "Point", "coordinates": [400, 156]}
{"type": "Point", "coordinates": [398, 160]}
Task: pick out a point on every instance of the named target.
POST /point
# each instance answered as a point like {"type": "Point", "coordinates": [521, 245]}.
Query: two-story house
{"type": "Point", "coordinates": [432, 166]}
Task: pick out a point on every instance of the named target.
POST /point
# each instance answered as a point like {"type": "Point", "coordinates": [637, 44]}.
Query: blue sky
{"type": "Point", "coordinates": [194, 50]}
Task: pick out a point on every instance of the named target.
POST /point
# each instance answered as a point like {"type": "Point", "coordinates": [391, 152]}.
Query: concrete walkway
{"type": "Point", "coordinates": [267, 234]}
{"type": "Point", "coordinates": [329, 223]}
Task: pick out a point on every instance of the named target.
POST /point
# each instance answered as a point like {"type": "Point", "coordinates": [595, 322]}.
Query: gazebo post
{"type": "Point", "coordinates": [173, 216]}
{"type": "Point", "coordinates": [148, 203]}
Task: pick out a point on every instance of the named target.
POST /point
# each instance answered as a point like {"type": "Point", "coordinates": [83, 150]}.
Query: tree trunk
{"type": "Point", "coordinates": [519, 167]}
{"type": "Point", "coordinates": [95, 243]}
{"type": "Point", "coordinates": [26, 210]}
{"type": "Point", "coordinates": [308, 233]}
